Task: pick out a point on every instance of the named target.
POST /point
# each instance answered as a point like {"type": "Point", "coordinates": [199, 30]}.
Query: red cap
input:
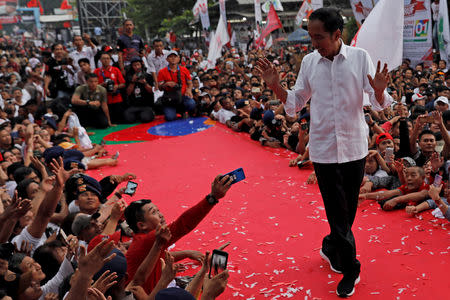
{"type": "Point", "coordinates": [384, 136]}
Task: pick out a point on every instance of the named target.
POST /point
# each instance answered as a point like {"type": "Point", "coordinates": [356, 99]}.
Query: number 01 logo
{"type": "Point", "coordinates": [421, 28]}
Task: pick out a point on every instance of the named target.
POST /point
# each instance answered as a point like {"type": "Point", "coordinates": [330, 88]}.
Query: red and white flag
{"type": "Point", "coordinates": [381, 34]}
{"type": "Point", "coordinates": [272, 23]}
{"type": "Point", "coordinates": [306, 9]}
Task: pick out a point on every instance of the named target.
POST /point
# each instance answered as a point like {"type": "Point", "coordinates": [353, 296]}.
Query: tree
{"type": "Point", "coordinates": [179, 24]}
{"type": "Point", "coordinates": [350, 29]}
{"type": "Point", "coordinates": [150, 14]}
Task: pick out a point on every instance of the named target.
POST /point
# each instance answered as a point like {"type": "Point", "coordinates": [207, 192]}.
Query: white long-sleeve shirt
{"type": "Point", "coordinates": [52, 286]}
{"type": "Point", "coordinates": [336, 89]}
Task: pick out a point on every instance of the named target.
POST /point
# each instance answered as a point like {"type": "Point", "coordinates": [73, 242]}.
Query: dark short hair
{"type": "Point", "coordinates": [85, 60]}
{"type": "Point", "coordinates": [330, 17]}
{"type": "Point", "coordinates": [22, 172]}
{"type": "Point", "coordinates": [157, 41]}
{"type": "Point", "coordinates": [127, 20]}
{"type": "Point", "coordinates": [56, 44]}
{"type": "Point", "coordinates": [90, 75]}
{"type": "Point", "coordinates": [424, 132]}
{"type": "Point", "coordinates": [134, 213]}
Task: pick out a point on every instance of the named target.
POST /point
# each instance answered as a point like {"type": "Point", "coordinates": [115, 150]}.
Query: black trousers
{"type": "Point", "coordinates": [339, 185]}
{"type": "Point", "coordinates": [91, 117]}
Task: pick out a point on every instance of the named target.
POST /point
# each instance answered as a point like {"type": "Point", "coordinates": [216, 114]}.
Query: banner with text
{"type": "Point", "coordinates": [417, 32]}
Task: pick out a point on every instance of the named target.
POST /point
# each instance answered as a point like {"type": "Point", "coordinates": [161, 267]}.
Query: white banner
{"type": "Point", "coordinates": [361, 9]}
{"type": "Point", "coordinates": [223, 11]}
{"type": "Point", "coordinates": [444, 32]}
{"type": "Point", "coordinates": [381, 35]}
{"type": "Point", "coordinates": [201, 8]}
{"type": "Point", "coordinates": [417, 32]}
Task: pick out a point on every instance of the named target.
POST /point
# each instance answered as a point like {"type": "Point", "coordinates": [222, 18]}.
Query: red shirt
{"type": "Point", "coordinates": [167, 75]}
{"type": "Point", "coordinates": [404, 189]}
{"type": "Point", "coordinates": [143, 242]}
{"type": "Point", "coordinates": [114, 74]}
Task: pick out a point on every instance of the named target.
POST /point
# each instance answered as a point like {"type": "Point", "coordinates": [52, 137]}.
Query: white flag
{"type": "Point", "coordinates": [276, 4]}
{"type": "Point", "coordinates": [444, 31]}
{"type": "Point", "coordinates": [382, 33]}
{"type": "Point", "coordinates": [218, 40]}
{"type": "Point", "coordinates": [361, 9]}
{"type": "Point", "coordinates": [308, 6]}
{"type": "Point", "coordinates": [223, 11]}
{"type": "Point", "coordinates": [269, 43]}
{"type": "Point", "coordinates": [258, 17]}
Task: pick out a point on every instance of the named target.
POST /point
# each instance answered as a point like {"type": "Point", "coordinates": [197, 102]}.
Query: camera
{"type": "Point", "coordinates": [109, 85]}
{"type": "Point", "coordinates": [276, 122]}
{"type": "Point", "coordinates": [140, 76]}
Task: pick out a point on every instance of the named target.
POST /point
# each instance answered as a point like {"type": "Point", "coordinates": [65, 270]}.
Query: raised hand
{"type": "Point", "coordinates": [381, 79]}
{"type": "Point", "coordinates": [215, 286]}
{"type": "Point", "coordinates": [163, 234]}
{"type": "Point", "coordinates": [268, 71]}
{"type": "Point", "coordinates": [436, 161]}
{"type": "Point", "coordinates": [105, 281]}
{"type": "Point", "coordinates": [220, 186]}
{"type": "Point", "coordinates": [91, 263]}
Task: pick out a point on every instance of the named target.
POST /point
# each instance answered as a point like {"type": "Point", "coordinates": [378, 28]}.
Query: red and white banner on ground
{"type": "Point", "coordinates": [382, 33]}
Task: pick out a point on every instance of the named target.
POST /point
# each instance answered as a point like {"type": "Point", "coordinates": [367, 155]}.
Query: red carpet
{"type": "Point", "coordinates": [276, 222]}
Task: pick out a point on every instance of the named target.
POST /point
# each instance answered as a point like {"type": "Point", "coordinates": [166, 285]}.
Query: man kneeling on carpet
{"type": "Point", "coordinates": [144, 217]}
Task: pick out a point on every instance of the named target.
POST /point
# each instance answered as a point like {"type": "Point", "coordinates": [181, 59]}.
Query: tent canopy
{"type": "Point", "coordinates": [299, 35]}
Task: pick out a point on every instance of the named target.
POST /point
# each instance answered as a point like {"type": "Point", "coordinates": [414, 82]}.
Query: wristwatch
{"type": "Point", "coordinates": [211, 199]}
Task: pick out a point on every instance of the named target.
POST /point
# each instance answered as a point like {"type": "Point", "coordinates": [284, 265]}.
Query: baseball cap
{"type": "Point", "coordinates": [383, 136]}
{"type": "Point", "coordinates": [172, 52]}
{"type": "Point", "coordinates": [416, 97]}
{"type": "Point", "coordinates": [86, 183]}
{"type": "Point", "coordinates": [50, 122]}
{"type": "Point", "coordinates": [52, 153]}
{"type": "Point", "coordinates": [72, 163]}
{"type": "Point", "coordinates": [82, 221]}
{"type": "Point", "coordinates": [118, 265]}
{"type": "Point", "coordinates": [130, 212]}
{"type": "Point", "coordinates": [268, 117]}
{"type": "Point", "coordinates": [242, 103]}
{"type": "Point", "coordinates": [442, 99]}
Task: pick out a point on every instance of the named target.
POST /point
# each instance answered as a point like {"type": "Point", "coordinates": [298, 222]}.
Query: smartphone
{"type": "Point", "coordinates": [131, 188]}
{"type": "Point", "coordinates": [387, 155]}
{"type": "Point", "coordinates": [427, 119]}
{"type": "Point", "coordinates": [219, 260]}
{"type": "Point", "coordinates": [63, 236]}
{"type": "Point", "coordinates": [116, 156]}
{"type": "Point", "coordinates": [367, 118]}
{"type": "Point", "coordinates": [237, 175]}
{"type": "Point", "coordinates": [304, 126]}
{"type": "Point", "coordinates": [437, 180]}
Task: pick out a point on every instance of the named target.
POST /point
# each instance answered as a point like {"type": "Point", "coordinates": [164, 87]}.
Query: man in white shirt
{"type": "Point", "coordinates": [157, 60]}
{"type": "Point", "coordinates": [335, 78]}
{"type": "Point", "coordinates": [82, 51]}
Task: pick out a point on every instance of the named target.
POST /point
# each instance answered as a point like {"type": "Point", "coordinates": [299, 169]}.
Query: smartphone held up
{"type": "Point", "coordinates": [219, 260]}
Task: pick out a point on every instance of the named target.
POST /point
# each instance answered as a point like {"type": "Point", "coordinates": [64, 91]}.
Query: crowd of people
{"type": "Point", "coordinates": [66, 235]}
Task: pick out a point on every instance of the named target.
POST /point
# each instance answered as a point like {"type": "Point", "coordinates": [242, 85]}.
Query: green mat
{"type": "Point", "coordinates": [99, 134]}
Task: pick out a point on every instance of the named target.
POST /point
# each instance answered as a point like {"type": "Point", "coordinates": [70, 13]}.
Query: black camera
{"type": "Point", "coordinates": [140, 76]}
{"type": "Point", "coordinates": [109, 85]}
{"type": "Point", "coordinates": [276, 122]}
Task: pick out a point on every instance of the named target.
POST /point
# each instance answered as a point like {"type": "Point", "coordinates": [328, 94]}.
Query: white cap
{"type": "Point", "coordinates": [416, 97]}
{"type": "Point", "coordinates": [172, 52]}
{"type": "Point", "coordinates": [441, 99]}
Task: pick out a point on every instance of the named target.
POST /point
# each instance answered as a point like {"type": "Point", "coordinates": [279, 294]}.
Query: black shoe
{"type": "Point", "coordinates": [327, 259]}
{"type": "Point", "coordinates": [346, 286]}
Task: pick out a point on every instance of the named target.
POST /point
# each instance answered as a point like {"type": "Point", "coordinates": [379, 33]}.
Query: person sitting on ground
{"type": "Point", "coordinates": [415, 190]}
{"type": "Point", "coordinates": [90, 104]}
{"type": "Point", "coordinates": [140, 94]}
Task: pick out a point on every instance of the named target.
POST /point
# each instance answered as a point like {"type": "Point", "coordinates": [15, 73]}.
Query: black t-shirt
{"type": "Point", "coordinates": [59, 76]}
{"type": "Point", "coordinates": [140, 96]}
{"type": "Point", "coordinates": [130, 46]}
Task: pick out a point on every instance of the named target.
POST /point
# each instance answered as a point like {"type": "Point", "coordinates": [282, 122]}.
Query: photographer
{"type": "Point", "coordinates": [140, 94]}
{"type": "Point", "coordinates": [112, 80]}
{"type": "Point", "coordinates": [56, 80]}
{"type": "Point", "coordinates": [176, 83]}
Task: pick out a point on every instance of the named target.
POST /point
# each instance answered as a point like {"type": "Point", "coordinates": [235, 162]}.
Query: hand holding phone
{"type": "Point", "coordinates": [237, 175]}
{"type": "Point", "coordinates": [219, 260]}
{"type": "Point", "coordinates": [131, 188]}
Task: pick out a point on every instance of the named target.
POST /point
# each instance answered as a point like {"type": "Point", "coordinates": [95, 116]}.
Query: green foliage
{"type": "Point", "coordinates": [178, 24]}
{"type": "Point", "coordinates": [154, 15]}
{"type": "Point", "coordinates": [350, 30]}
